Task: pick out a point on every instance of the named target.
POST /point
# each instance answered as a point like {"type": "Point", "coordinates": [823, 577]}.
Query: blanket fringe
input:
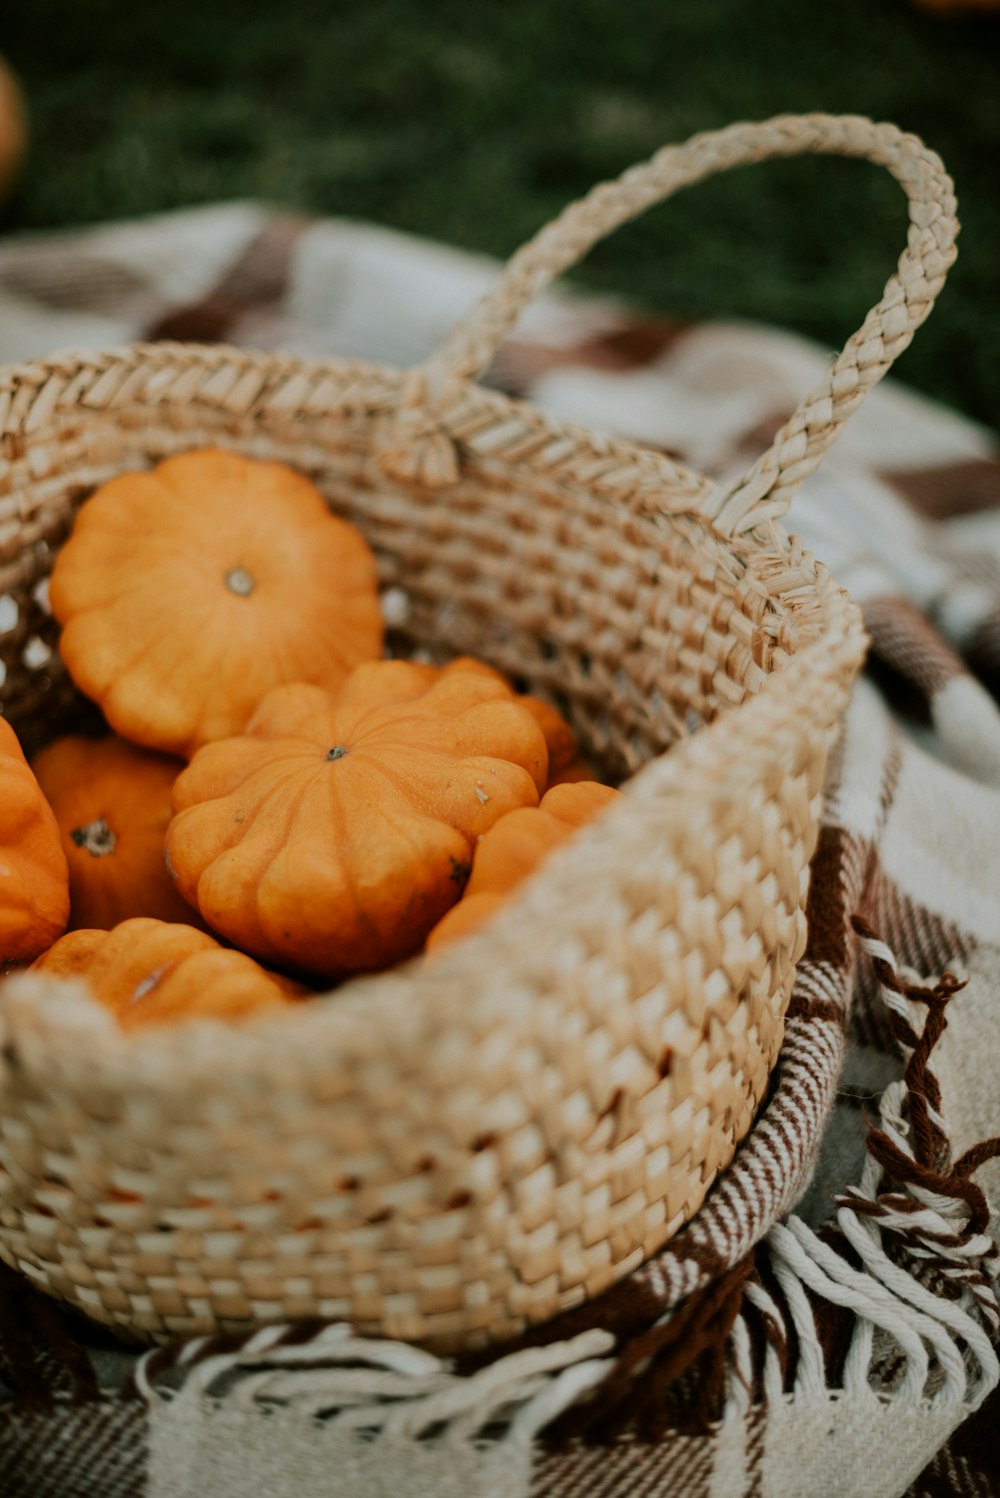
{"type": "Point", "coordinates": [914, 1264]}
{"type": "Point", "coordinates": [381, 1388]}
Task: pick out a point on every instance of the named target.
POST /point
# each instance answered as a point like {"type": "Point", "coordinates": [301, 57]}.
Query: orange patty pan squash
{"type": "Point", "coordinates": [560, 740]}
{"type": "Point", "coordinates": [34, 884]}
{"type": "Point", "coordinates": [188, 592]}
{"type": "Point", "coordinates": [337, 831]}
{"type": "Point", "coordinates": [514, 848]}
{"type": "Point", "coordinates": [148, 972]}
{"type": "Point", "coordinates": [113, 805]}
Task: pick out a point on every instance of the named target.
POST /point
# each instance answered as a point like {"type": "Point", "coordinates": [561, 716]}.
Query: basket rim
{"type": "Point", "coordinates": [314, 388]}
{"type": "Point", "coordinates": [319, 390]}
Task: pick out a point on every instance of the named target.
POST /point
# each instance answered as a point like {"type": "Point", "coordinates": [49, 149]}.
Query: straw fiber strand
{"type": "Point", "coordinates": [454, 1152]}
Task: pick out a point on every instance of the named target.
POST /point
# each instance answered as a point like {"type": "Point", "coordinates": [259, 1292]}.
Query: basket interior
{"type": "Point", "coordinates": [638, 626]}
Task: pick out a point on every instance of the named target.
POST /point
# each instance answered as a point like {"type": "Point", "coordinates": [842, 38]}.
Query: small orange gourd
{"type": "Point", "coordinates": [514, 848]}
{"type": "Point", "coordinates": [188, 592]}
{"type": "Point", "coordinates": [148, 972]}
{"type": "Point", "coordinates": [577, 770]}
{"type": "Point", "coordinates": [337, 831]}
{"type": "Point", "coordinates": [112, 803]}
{"type": "Point", "coordinates": [34, 883]}
{"type": "Point", "coordinates": [560, 740]}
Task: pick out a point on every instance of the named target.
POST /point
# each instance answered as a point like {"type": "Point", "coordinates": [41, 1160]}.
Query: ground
{"type": "Point", "coordinates": [475, 123]}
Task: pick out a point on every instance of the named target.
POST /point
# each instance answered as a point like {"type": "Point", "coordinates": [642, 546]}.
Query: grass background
{"type": "Point", "coordinates": [474, 123]}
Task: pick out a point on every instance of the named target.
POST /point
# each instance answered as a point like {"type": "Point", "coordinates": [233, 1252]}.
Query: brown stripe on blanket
{"type": "Point", "coordinates": [256, 281]}
{"type": "Point", "coordinates": [93, 1450]}
{"type": "Point", "coordinates": [909, 702]}
{"type": "Point", "coordinates": [828, 934]}
{"type": "Point", "coordinates": [631, 1470]}
{"type": "Point", "coordinates": [904, 638]}
{"type": "Point", "coordinates": [616, 350]}
{"type": "Point", "coordinates": [814, 1006]}
{"type": "Point", "coordinates": [951, 489]}
{"type": "Point", "coordinates": [78, 283]}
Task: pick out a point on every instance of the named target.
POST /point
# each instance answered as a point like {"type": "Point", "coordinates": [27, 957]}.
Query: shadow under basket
{"type": "Point", "coordinates": [450, 1152]}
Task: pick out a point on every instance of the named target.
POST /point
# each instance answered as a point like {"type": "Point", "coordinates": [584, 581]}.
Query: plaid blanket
{"type": "Point", "coordinates": [828, 1321]}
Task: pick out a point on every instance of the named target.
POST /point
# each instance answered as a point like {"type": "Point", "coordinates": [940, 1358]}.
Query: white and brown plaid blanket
{"type": "Point", "coordinates": [828, 1322]}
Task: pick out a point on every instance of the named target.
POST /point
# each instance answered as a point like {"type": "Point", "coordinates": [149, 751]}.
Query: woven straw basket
{"type": "Point", "coordinates": [453, 1151]}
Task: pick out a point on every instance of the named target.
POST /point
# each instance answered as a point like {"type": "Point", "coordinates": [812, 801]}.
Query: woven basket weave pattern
{"type": "Point", "coordinates": [453, 1151]}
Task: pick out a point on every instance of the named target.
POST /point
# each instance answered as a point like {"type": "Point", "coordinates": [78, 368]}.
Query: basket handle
{"type": "Point", "coordinates": [766, 490]}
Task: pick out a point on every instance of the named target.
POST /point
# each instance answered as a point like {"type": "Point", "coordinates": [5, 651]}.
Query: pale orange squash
{"type": "Point", "coordinates": [188, 592]}
{"type": "Point", "coordinates": [112, 803]}
{"type": "Point", "coordinates": [149, 972]}
{"type": "Point", "coordinates": [560, 740]}
{"type": "Point", "coordinates": [514, 848]}
{"type": "Point", "coordinates": [34, 883]}
{"type": "Point", "coordinates": [337, 831]}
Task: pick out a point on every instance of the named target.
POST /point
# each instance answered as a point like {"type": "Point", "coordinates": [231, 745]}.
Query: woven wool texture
{"type": "Point", "coordinates": [887, 513]}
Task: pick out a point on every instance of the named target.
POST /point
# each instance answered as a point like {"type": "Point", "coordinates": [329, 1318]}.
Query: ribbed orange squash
{"type": "Point", "coordinates": [514, 848]}
{"type": "Point", "coordinates": [560, 740]}
{"type": "Point", "coordinates": [188, 592]}
{"type": "Point", "coordinates": [112, 803]}
{"type": "Point", "coordinates": [338, 830]}
{"type": "Point", "coordinates": [148, 972]}
{"type": "Point", "coordinates": [34, 884]}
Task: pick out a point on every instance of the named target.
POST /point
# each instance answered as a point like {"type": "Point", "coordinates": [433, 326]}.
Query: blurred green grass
{"type": "Point", "coordinates": [475, 124]}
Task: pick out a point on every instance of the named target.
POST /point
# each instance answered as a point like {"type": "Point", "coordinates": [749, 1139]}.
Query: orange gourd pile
{"type": "Point", "coordinates": [337, 813]}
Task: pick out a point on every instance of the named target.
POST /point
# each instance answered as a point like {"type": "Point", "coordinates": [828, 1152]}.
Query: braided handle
{"type": "Point", "coordinates": [765, 492]}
